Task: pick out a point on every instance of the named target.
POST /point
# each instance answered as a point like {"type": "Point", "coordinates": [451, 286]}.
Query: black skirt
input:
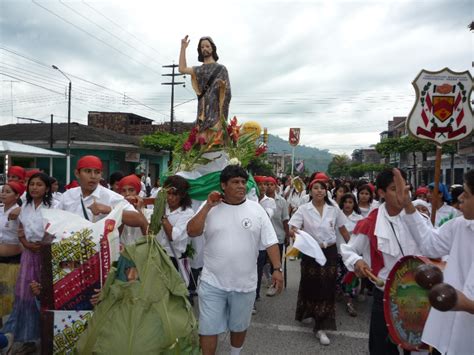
{"type": "Point", "coordinates": [317, 291]}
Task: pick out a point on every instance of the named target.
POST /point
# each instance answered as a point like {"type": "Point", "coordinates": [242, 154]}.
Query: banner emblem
{"type": "Point", "coordinates": [294, 136]}
{"type": "Point", "coordinates": [442, 112]}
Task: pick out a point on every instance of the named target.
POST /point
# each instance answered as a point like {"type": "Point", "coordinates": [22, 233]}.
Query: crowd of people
{"type": "Point", "coordinates": [238, 240]}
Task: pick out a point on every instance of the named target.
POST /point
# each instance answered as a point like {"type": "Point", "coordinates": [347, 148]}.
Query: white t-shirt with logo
{"type": "Point", "coordinates": [233, 235]}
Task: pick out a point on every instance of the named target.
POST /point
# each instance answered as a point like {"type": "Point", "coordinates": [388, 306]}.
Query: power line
{"type": "Point", "coordinates": [93, 36]}
{"type": "Point", "coordinates": [82, 79]}
{"type": "Point", "coordinates": [123, 29]}
{"type": "Point", "coordinates": [107, 31]}
{"type": "Point", "coordinates": [19, 79]}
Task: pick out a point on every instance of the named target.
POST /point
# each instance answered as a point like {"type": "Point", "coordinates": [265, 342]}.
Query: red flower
{"type": "Point", "coordinates": [202, 141]}
{"type": "Point", "coordinates": [187, 146]}
{"type": "Point", "coordinates": [262, 148]}
{"type": "Point", "coordinates": [192, 135]}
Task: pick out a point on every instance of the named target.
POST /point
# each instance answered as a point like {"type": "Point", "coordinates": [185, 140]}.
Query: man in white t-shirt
{"type": "Point", "coordinates": [234, 228]}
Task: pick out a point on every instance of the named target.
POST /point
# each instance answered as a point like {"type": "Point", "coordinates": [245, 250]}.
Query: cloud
{"type": "Point", "coordinates": [338, 69]}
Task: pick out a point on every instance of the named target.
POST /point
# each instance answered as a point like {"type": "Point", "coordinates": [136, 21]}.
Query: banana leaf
{"type": "Point", "coordinates": [151, 315]}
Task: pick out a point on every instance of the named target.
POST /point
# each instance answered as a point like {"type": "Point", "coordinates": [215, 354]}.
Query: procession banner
{"type": "Point", "coordinates": [75, 263]}
{"type": "Point", "coordinates": [442, 112]}
{"type": "Point", "coordinates": [68, 326]}
{"type": "Point", "coordinates": [294, 138]}
{"type": "Point", "coordinates": [81, 254]}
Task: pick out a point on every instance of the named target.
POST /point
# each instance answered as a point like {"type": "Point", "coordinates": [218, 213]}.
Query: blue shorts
{"type": "Point", "coordinates": [221, 310]}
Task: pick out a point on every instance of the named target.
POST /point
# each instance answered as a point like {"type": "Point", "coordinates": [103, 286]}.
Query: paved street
{"type": "Point", "coordinates": [274, 330]}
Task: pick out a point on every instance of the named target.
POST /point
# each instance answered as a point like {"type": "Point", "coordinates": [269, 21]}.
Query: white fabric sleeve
{"type": "Point", "coordinates": [268, 236]}
{"type": "Point", "coordinates": [341, 218]}
{"type": "Point", "coordinates": [432, 242]}
{"type": "Point", "coordinates": [179, 231]}
{"type": "Point", "coordinates": [351, 252]}
{"type": "Point", "coordinates": [285, 216]}
{"type": "Point", "coordinates": [297, 219]}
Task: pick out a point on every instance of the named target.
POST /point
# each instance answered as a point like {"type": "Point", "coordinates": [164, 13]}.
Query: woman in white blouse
{"type": "Point", "coordinates": [316, 295]}
{"type": "Point", "coordinates": [348, 283]}
{"type": "Point", "coordinates": [365, 197]}
{"type": "Point", "coordinates": [173, 236]}
{"type": "Point", "coordinates": [10, 247]}
{"type": "Point", "coordinates": [24, 321]}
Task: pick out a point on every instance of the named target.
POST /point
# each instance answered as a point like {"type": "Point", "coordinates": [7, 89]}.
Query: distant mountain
{"type": "Point", "coordinates": [314, 159]}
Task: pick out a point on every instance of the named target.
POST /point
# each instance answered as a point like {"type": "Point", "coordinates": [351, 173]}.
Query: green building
{"type": "Point", "coordinates": [119, 152]}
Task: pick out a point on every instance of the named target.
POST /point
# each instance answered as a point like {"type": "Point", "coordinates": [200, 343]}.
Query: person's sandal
{"type": "Point", "coordinates": [351, 310]}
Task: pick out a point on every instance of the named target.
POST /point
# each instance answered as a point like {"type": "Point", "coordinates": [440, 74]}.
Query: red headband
{"type": "Point", "coordinates": [17, 171]}
{"type": "Point", "coordinates": [321, 177]}
{"type": "Point", "coordinates": [131, 180]}
{"type": "Point", "coordinates": [372, 187]}
{"type": "Point", "coordinates": [421, 191]}
{"type": "Point", "coordinates": [18, 187]}
{"type": "Point", "coordinates": [310, 186]}
{"type": "Point", "coordinates": [72, 185]}
{"type": "Point", "coordinates": [89, 161]}
{"type": "Point", "coordinates": [258, 179]}
{"type": "Point", "coordinates": [271, 179]}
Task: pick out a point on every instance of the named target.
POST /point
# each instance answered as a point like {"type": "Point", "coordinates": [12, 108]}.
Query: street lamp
{"type": "Point", "coordinates": [68, 141]}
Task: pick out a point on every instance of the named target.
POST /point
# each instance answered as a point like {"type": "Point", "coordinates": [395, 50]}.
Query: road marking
{"type": "Point", "coordinates": [293, 328]}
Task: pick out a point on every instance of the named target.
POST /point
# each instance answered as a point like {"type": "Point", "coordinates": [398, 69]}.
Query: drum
{"type": "Point", "coordinates": [406, 304]}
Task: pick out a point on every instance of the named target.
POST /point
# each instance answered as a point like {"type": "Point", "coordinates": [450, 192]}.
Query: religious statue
{"type": "Point", "coordinates": [210, 82]}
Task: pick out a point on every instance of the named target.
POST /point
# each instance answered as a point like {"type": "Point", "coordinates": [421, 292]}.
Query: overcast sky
{"type": "Point", "coordinates": [338, 69]}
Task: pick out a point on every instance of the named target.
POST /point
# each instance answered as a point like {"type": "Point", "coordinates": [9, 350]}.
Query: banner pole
{"type": "Point", "coordinates": [435, 202]}
{"type": "Point", "coordinates": [292, 159]}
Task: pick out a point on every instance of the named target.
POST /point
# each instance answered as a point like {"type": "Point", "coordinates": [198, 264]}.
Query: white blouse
{"type": "Point", "coordinates": [179, 220]}
{"type": "Point", "coordinates": [32, 221]}
{"type": "Point", "coordinates": [321, 227]}
{"type": "Point", "coordinates": [350, 225]}
{"type": "Point", "coordinates": [8, 229]}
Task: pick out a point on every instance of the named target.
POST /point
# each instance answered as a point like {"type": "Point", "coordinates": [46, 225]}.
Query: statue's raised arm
{"type": "Point", "coordinates": [183, 67]}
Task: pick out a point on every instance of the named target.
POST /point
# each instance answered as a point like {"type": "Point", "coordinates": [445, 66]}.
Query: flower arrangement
{"type": "Point", "coordinates": [239, 146]}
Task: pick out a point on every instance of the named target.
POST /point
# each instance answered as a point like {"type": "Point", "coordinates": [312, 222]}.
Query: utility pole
{"type": "Point", "coordinates": [172, 83]}
{"type": "Point", "coordinates": [68, 139]}
{"type": "Point", "coordinates": [11, 95]}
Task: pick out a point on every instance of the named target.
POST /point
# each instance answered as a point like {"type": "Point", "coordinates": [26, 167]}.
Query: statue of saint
{"type": "Point", "coordinates": [211, 84]}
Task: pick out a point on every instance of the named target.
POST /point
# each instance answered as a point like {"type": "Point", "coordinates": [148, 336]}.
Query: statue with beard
{"type": "Point", "coordinates": [211, 83]}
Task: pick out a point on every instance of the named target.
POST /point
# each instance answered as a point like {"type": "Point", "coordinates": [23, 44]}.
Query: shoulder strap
{"type": "Point", "coordinates": [211, 79]}
{"type": "Point", "coordinates": [84, 211]}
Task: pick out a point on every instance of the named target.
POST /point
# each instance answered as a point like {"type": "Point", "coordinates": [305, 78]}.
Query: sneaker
{"type": "Point", "coordinates": [307, 320]}
{"type": "Point", "coordinates": [323, 338]}
{"type": "Point", "coordinates": [351, 310]}
{"type": "Point", "coordinates": [271, 291]}
{"type": "Point", "coordinates": [254, 309]}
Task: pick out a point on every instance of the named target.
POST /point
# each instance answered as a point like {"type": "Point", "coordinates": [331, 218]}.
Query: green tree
{"type": "Point", "coordinates": [339, 166]}
{"type": "Point", "coordinates": [357, 170]}
{"type": "Point", "coordinates": [163, 140]}
{"type": "Point", "coordinates": [258, 166]}
{"type": "Point", "coordinates": [410, 144]}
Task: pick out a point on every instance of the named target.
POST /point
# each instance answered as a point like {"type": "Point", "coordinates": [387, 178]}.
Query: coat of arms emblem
{"type": "Point", "coordinates": [294, 138]}
{"type": "Point", "coordinates": [442, 112]}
